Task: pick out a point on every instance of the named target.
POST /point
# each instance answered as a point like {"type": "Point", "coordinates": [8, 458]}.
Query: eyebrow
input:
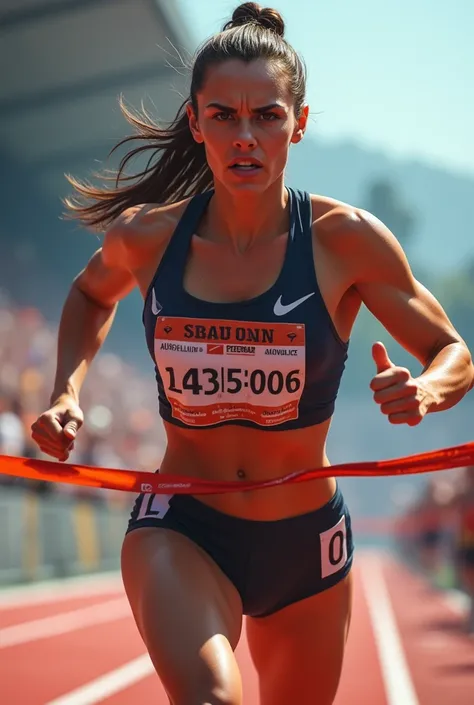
{"type": "Point", "coordinates": [227, 109]}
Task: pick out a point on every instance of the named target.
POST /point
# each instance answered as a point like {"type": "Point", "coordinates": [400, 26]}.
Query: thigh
{"type": "Point", "coordinates": [188, 614]}
{"type": "Point", "coordinates": [298, 651]}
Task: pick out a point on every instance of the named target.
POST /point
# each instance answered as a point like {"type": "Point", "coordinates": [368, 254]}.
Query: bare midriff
{"type": "Point", "coordinates": [236, 453]}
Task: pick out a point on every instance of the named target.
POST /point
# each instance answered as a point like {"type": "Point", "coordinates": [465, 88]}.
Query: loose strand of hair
{"type": "Point", "coordinates": [176, 169]}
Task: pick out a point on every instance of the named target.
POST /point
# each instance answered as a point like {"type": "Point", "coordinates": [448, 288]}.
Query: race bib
{"type": "Point", "coordinates": [216, 371]}
{"type": "Point", "coordinates": [154, 506]}
{"type": "Point", "coordinates": [333, 548]}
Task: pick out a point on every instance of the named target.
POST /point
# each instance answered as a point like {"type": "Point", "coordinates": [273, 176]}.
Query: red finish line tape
{"type": "Point", "coordinates": [135, 481]}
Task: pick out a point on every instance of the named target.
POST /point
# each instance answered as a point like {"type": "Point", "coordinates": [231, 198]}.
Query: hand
{"type": "Point", "coordinates": [403, 398]}
{"type": "Point", "coordinates": [55, 430]}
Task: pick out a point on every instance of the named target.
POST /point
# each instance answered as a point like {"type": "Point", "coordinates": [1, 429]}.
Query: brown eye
{"type": "Point", "coordinates": [269, 117]}
{"type": "Point", "coordinates": [221, 117]}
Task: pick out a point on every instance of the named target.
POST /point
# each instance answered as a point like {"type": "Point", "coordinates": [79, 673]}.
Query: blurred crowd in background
{"type": "Point", "coordinates": [120, 409]}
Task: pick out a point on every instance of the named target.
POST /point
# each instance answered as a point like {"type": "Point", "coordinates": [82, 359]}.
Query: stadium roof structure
{"type": "Point", "coordinates": [64, 65]}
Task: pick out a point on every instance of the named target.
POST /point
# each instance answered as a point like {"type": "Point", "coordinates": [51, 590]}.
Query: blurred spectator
{"type": "Point", "coordinates": [436, 534]}
{"type": "Point", "coordinates": [12, 433]}
{"type": "Point", "coordinates": [121, 428]}
{"type": "Point", "coordinates": [464, 538]}
{"type": "Point", "coordinates": [425, 531]}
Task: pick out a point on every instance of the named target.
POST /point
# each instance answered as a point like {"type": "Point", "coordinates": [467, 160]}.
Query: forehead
{"type": "Point", "coordinates": [260, 81]}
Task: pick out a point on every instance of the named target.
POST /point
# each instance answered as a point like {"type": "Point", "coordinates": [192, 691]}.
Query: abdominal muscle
{"type": "Point", "coordinates": [232, 453]}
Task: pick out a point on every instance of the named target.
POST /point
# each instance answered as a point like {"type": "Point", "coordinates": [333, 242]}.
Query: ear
{"type": "Point", "coordinates": [193, 123]}
{"type": "Point", "coordinates": [300, 128]}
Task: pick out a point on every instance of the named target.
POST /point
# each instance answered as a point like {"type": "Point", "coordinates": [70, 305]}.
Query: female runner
{"type": "Point", "coordinates": [250, 293]}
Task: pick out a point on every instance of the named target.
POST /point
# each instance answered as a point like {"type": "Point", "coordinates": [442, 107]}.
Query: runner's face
{"type": "Point", "coordinates": [246, 114]}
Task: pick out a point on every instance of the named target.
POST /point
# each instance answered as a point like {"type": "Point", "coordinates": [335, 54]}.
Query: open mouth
{"type": "Point", "coordinates": [245, 166]}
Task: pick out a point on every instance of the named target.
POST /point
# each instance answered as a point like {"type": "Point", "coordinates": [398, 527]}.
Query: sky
{"type": "Point", "coordinates": [397, 77]}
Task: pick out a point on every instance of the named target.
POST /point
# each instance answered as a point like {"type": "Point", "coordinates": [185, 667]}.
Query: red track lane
{"type": "Point", "coordinates": [148, 691]}
{"type": "Point", "coordinates": [35, 673]}
{"type": "Point", "coordinates": [19, 614]}
{"type": "Point", "coordinates": [440, 660]}
{"type": "Point", "coordinates": [361, 680]}
{"type": "Point", "coordinates": [440, 655]}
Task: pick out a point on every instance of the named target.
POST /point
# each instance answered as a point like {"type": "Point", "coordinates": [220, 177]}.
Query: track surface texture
{"type": "Point", "coordinates": [74, 643]}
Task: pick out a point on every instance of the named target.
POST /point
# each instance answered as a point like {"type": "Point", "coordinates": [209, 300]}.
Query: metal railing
{"type": "Point", "coordinates": [55, 536]}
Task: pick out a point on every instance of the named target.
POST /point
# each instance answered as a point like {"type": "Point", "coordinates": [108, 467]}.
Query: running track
{"type": "Point", "coordinates": [74, 643]}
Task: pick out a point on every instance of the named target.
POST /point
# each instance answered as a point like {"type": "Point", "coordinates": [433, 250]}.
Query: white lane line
{"type": "Point", "coordinates": [398, 684]}
{"type": "Point", "coordinates": [107, 685]}
{"type": "Point", "coordinates": [63, 623]}
{"type": "Point", "coordinates": [62, 589]}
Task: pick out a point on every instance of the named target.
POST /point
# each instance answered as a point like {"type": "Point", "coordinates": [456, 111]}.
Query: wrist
{"type": "Point", "coordinates": [64, 390]}
{"type": "Point", "coordinates": [431, 392]}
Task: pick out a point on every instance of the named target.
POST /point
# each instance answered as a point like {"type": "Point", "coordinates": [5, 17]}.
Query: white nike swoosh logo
{"type": "Point", "coordinates": [155, 306]}
{"type": "Point", "coordinates": [280, 309]}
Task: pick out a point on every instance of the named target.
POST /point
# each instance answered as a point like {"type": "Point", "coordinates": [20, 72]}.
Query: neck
{"type": "Point", "coordinates": [245, 219]}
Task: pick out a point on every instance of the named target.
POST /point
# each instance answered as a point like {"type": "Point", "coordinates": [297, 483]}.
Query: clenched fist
{"type": "Point", "coordinates": [55, 430]}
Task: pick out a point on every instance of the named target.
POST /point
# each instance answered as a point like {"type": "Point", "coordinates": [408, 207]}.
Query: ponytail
{"type": "Point", "coordinates": [176, 169]}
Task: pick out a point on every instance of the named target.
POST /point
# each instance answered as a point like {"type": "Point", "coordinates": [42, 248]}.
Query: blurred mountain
{"type": "Point", "coordinates": [440, 200]}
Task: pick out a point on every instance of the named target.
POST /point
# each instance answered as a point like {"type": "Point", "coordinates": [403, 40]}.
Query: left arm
{"type": "Point", "coordinates": [415, 319]}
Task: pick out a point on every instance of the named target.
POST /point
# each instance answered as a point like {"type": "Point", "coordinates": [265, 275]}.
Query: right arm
{"type": "Point", "coordinates": [86, 319]}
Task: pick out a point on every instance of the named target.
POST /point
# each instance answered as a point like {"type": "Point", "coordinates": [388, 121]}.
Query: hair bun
{"type": "Point", "coordinates": [252, 13]}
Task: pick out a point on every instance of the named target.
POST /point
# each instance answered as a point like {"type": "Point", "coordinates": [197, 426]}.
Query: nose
{"type": "Point", "coordinates": [245, 139]}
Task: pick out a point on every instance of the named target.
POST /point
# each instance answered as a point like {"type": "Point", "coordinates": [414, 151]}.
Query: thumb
{"type": "Point", "coordinates": [381, 358]}
{"type": "Point", "coordinates": [71, 426]}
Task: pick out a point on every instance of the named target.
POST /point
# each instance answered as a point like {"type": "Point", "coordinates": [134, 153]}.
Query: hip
{"type": "Point", "coordinates": [271, 563]}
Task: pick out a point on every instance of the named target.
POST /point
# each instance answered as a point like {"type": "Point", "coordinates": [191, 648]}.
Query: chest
{"type": "Point", "coordinates": [217, 273]}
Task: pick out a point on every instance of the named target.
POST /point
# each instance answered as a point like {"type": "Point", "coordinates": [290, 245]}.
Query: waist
{"type": "Point", "coordinates": [233, 453]}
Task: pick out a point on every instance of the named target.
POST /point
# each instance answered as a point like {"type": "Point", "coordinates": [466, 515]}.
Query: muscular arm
{"type": "Point", "coordinates": [89, 311]}
{"type": "Point", "coordinates": [410, 313]}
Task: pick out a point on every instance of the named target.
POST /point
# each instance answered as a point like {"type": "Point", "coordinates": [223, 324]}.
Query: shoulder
{"type": "Point", "coordinates": [339, 224]}
{"type": "Point", "coordinates": [148, 220]}
{"type": "Point", "coordinates": [142, 231]}
{"type": "Point", "coordinates": [354, 236]}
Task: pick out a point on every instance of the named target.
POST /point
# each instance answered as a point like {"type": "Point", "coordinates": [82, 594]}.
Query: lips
{"type": "Point", "coordinates": [248, 164]}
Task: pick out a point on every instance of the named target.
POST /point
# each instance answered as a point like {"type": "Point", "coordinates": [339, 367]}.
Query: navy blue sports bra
{"type": "Point", "coordinates": [273, 362]}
